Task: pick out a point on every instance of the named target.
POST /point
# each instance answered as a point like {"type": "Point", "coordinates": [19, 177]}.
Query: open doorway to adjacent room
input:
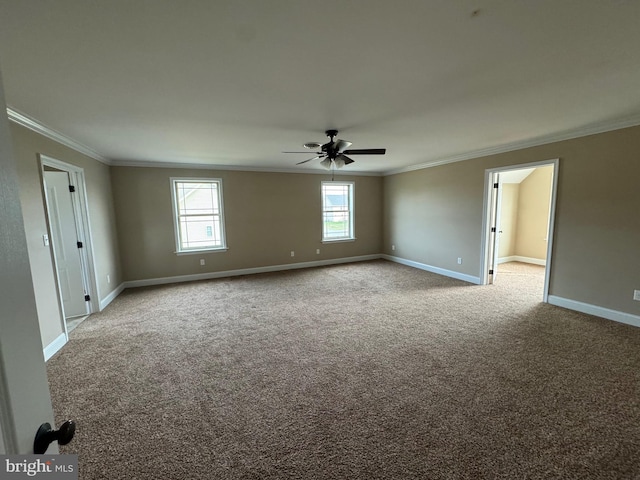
{"type": "Point", "coordinates": [518, 223]}
{"type": "Point", "coordinates": [69, 239]}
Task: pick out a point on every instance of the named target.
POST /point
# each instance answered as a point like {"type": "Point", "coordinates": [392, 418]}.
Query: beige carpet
{"type": "Point", "coordinates": [362, 371]}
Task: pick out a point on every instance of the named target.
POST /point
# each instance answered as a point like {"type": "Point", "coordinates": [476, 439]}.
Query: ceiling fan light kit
{"type": "Point", "coordinates": [334, 152]}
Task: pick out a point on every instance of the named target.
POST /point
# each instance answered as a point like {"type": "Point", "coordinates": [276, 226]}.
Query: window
{"type": "Point", "coordinates": [198, 214]}
{"type": "Point", "coordinates": [337, 211]}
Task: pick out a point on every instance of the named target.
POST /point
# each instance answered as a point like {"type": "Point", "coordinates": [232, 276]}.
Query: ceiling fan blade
{"type": "Point", "coordinates": [346, 159]}
{"type": "Point", "coordinates": [305, 161]}
{"type": "Point", "coordinates": [307, 152]}
{"type": "Point", "coordinates": [340, 145]}
{"type": "Point", "coordinates": [366, 151]}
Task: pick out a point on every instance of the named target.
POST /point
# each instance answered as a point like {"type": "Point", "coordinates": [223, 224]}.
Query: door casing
{"type": "Point", "coordinates": [81, 214]}
{"type": "Point", "coordinates": [490, 214]}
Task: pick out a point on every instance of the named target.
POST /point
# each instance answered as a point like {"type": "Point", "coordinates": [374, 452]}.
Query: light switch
{"type": "Point", "coordinates": [45, 240]}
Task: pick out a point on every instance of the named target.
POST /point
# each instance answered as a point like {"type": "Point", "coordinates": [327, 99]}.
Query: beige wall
{"type": "Point", "coordinates": [533, 214]}
{"type": "Point", "coordinates": [266, 216]}
{"type": "Point", "coordinates": [27, 145]}
{"type": "Point", "coordinates": [435, 215]}
{"type": "Point", "coordinates": [524, 216]}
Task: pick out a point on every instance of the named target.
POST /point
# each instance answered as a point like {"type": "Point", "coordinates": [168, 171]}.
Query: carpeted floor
{"type": "Point", "coordinates": [362, 371]}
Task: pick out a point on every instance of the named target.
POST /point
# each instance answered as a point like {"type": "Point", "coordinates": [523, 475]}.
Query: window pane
{"type": "Point", "coordinates": [337, 216]}
{"type": "Point", "coordinates": [198, 207]}
{"type": "Point", "coordinates": [200, 232]}
{"type": "Point", "coordinates": [336, 225]}
{"type": "Point", "coordinates": [198, 198]}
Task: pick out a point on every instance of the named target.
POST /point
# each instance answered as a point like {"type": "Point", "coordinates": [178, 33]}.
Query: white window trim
{"type": "Point", "coordinates": [176, 227]}
{"type": "Point", "coordinates": [340, 240]}
{"type": "Point", "coordinates": [352, 211]}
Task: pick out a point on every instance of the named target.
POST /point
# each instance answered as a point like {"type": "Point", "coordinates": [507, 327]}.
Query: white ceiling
{"type": "Point", "coordinates": [236, 82]}
{"type": "Point", "coordinates": [515, 176]}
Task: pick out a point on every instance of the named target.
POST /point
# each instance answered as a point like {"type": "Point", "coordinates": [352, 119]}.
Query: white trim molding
{"type": "Point", "coordinates": [518, 258]}
{"type": "Point", "coordinates": [83, 225]}
{"type": "Point", "coordinates": [246, 271]}
{"type": "Point", "coordinates": [38, 127]}
{"type": "Point", "coordinates": [595, 310]}
{"type": "Point", "coordinates": [239, 168]}
{"type": "Point", "coordinates": [591, 129]}
{"type": "Point", "coordinates": [601, 127]}
{"type": "Point", "coordinates": [489, 204]}
{"type": "Point", "coordinates": [54, 347]}
{"type": "Point", "coordinates": [429, 268]}
{"type": "Point", "coordinates": [111, 296]}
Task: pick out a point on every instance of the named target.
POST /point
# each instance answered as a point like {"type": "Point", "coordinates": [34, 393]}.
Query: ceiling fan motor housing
{"type": "Point", "coordinates": [331, 133]}
{"type": "Point", "coordinates": [335, 152]}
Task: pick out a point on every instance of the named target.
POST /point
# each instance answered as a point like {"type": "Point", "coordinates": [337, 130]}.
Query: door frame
{"type": "Point", "coordinates": [81, 217]}
{"type": "Point", "coordinates": [489, 206]}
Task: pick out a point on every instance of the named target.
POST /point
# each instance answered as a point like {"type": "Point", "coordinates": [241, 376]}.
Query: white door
{"type": "Point", "coordinates": [65, 243]}
{"type": "Point", "coordinates": [494, 222]}
{"type": "Point", "coordinates": [24, 392]}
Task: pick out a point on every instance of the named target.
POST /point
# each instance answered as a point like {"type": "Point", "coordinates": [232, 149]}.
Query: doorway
{"type": "Point", "coordinates": [69, 238]}
{"type": "Point", "coordinates": [518, 220]}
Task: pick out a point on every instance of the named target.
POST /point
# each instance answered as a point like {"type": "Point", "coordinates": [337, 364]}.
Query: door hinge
{"type": "Point", "coordinates": [72, 188]}
{"type": "Point", "coordinates": [79, 244]}
{"type": "Point", "coordinates": [490, 272]}
{"type": "Point", "coordinates": [493, 229]}
{"type": "Point", "coordinates": [495, 185]}
{"type": "Point", "coordinates": [87, 298]}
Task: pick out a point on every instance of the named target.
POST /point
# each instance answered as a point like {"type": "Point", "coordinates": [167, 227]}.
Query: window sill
{"type": "Point", "coordinates": [340, 240]}
{"type": "Point", "coordinates": [204, 250]}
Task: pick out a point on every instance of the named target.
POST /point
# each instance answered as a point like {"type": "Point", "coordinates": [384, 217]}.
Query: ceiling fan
{"type": "Point", "coordinates": [334, 152]}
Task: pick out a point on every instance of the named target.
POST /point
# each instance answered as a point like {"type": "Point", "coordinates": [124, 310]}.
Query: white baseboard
{"type": "Point", "coordinates": [438, 270]}
{"type": "Point", "coordinates": [51, 349]}
{"type": "Point", "coordinates": [518, 258]}
{"type": "Point", "coordinates": [246, 271]}
{"type": "Point", "coordinates": [111, 297]}
{"type": "Point", "coordinates": [607, 313]}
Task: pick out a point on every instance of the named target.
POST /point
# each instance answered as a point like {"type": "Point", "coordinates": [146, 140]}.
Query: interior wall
{"type": "Point", "coordinates": [267, 215]}
{"type": "Point", "coordinates": [434, 215]}
{"type": "Point", "coordinates": [534, 201]}
{"type": "Point", "coordinates": [27, 145]}
{"type": "Point", "coordinates": [524, 216]}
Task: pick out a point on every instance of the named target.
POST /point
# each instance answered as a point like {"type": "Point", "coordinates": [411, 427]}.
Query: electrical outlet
{"type": "Point", "coordinates": [317, 251]}
{"type": "Point", "coordinates": [636, 295]}
{"type": "Point", "coordinates": [202, 261]}
{"type": "Point", "coordinates": [108, 278]}
{"type": "Point", "coordinates": [293, 254]}
{"type": "Point", "coordinates": [393, 247]}
{"type": "Point", "coordinates": [459, 260]}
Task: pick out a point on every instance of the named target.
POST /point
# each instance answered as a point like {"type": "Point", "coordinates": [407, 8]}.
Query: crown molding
{"type": "Point", "coordinates": [592, 129]}
{"type": "Point", "coordinates": [38, 127]}
{"type": "Point", "coordinates": [32, 124]}
{"type": "Point", "coordinates": [200, 166]}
